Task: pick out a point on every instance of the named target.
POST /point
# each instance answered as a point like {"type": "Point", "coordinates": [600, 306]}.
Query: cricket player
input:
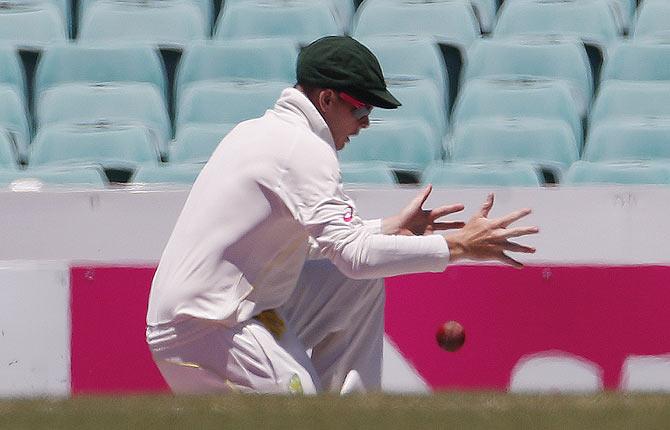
{"type": "Point", "coordinates": [234, 306]}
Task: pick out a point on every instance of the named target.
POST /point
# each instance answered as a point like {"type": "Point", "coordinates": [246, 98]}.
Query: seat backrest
{"type": "Point", "coordinates": [12, 72]}
{"type": "Point", "coordinates": [166, 23]}
{"type": "Point", "coordinates": [639, 60]}
{"type": "Point", "coordinates": [548, 57]}
{"type": "Point", "coordinates": [508, 174]}
{"type": "Point", "coordinates": [517, 97]}
{"type": "Point", "coordinates": [652, 17]}
{"type": "Point", "coordinates": [367, 173]}
{"type": "Point", "coordinates": [301, 21]}
{"type": "Point", "coordinates": [32, 25]}
{"type": "Point", "coordinates": [642, 139]}
{"type": "Point", "coordinates": [100, 63]}
{"type": "Point", "coordinates": [407, 145]}
{"type": "Point", "coordinates": [549, 143]}
{"type": "Point", "coordinates": [8, 156]}
{"type": "Point", "coordinates": [195, 143]}
{"type": "Point", "coordinates": [226, 102]}
{"type": "Point", "coordinates": [555, 372]}
{"type": "Point", "coordinates": [85, 175]}
{"type": "Point", "coordinates": [105, 102]}
{"type": "Point", "coordinates": [405, 57]}
{"type": "Point", "coordinates": [110, 146]}
{"type": "Point", "coordinates": [14, 117]}
{"type": "Point", "coordinates": [616, 99]}
{"type": "Point", "coordinates": [590, 20]}
{"type": "Point", "coordinates": [448, 21]}
{"type": "Point", "coordinates": [586, 173]}
{"type": "Point", "coordinates": [256, 59]}
{"type": "Point", "coordinates": [180, 174]}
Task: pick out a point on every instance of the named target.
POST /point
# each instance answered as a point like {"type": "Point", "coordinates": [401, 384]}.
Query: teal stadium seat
{"type": "Point", "coordinates": [112, 146]}
{"type": "Point", "coordinates": [630, 173]}
{"type": "Point", "coordinates": [63, 6]}
{"type": "Point", "coordinates": [405, 145]}
{"type": "Point", "coordinates": [78, 175]}
{"type": "Point", "coordinates": [548, 57]}
{"type": "Point", "coordinates": [195, 143]}
{"type": "Point", "coordinates": [31, 25]}
{"type": "Point", "coordinates": [255, 59]}
{"type": "Point", "coordinates": [449, 22]}
{"type": "Point", "coordinates": [302, 21]}
{"type": "Point", "coordinates": [367, 173]}
{"type": "Point", "coordinates": [226, 102]}
{"type": "Point", "coordinates": [175, 174]}
{"type": "Point", "coordinates": [420, 101]}
{"type": "Point", "coordinates": [592, 21]}
{"type": "Point", "coordinates": [506, 174]}
{"type": "Point", "coordinates": [14, 118]}
{"type": "Point", "coordinates": [619, 100]}
{"type": "Point", "coordinates": [639, 60]}
{"type": "Point", "coordinates": [653, 18]}
{"type": "Point", "coordinates": [165, 23]}
{"type": "Point", "coordinates": [403, 58]}
{"type": "Point", "coordinates": [12, 72]}
{"type": "Point", "coordinates": [8, 155]}
{"type": "Point", "coordinates": [111, 102]}
{"type": "Point", "coordinates": [100, 62]}
{"type": "Point", "coordinates": [633, 140]}
{"type": "Point", "coordinates": [549, 144]}
{"type": "Point", "coordinates": [514, 97]}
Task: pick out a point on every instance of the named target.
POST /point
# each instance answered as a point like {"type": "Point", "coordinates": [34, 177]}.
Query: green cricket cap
{"type": "Point", "coordinates": [344, 64]}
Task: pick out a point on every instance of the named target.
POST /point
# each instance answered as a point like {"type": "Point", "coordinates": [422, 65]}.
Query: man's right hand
{"type": "Point", "coordinates": [489, 239]}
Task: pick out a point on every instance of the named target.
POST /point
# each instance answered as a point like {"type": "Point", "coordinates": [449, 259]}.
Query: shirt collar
{"type": "Point", "coordinates": [295, 102]}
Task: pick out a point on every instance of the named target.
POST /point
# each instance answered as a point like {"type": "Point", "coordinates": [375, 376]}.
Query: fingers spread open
{"type": "Point", "coordinates": [486, 207]}
{"type": "Point", "coordinates": [517, 247]}
{"type": "Point", "coordinates": [448, 225]}
{"type": "Point", "coordinates": [518, 231]}
{"type": "Point", "coordinates": [512, 217]}
{"type": "Point", "coordinates": [423, 195]}
{"type": "Point", "coordinates": [446, 210]}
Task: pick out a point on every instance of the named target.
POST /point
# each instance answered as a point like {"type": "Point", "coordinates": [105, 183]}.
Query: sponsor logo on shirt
{"type": "Point", "coordinates": [348, 214]}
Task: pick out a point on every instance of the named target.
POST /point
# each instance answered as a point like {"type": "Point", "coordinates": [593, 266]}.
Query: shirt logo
{"type": "Point", "coordinates": [348, 214]}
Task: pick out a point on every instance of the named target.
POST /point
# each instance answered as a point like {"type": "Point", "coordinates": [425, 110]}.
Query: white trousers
{"type": "Point", "coordinates": [340, 320]}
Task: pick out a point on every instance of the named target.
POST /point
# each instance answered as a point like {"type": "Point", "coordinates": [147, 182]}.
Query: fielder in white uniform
{"type": "Point", "coordinates": [234, 306]}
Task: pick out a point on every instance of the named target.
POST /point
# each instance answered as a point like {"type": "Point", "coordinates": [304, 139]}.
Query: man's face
{"type": "Point", "coordinates": [345, 116]}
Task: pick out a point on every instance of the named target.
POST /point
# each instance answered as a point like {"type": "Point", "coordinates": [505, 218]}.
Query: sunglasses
{"type": "Point", "coordinates": [361, 109]}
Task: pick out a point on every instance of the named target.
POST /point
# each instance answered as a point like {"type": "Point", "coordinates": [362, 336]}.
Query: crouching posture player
{"type": "Point", "coordinates": [234, 305]}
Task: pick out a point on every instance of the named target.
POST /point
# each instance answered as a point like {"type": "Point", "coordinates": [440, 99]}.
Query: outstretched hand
{"type": "Point", "coordinates": [414, 220]}
{"type": "Point", "coordinates": [488, 239]}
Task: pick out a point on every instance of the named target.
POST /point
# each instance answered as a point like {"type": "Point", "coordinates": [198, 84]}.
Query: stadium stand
{"type": "Point", "coordinates": [31, 25]}
{"type": "Point", "coordinates": [195, 143]}
{"type": "Point", "coordinates": [653, 18]}
{"type": "Point", "coordinates": [639, 60]}
{"type": "Point", "coordinates": [515, 97]}
{"type": "Point", "coordinates": [507, 174]}
{"type": "Point", "coordinates": [555, 372]}
{"type": "Point", "coordinates": [8, 156]}
{"type": "Point", "coordinates": [12, 72]}
{"type": "Point", "coordinates": [367, 173]}
{"type": "Point", "coordinates": [14, 118]}
{"type": "Point", "coordinates": [184, 174]}
{"type": "Point", "coordinates": [638, 173]}
{"type": "Point", "coordinates": [617, 100]}
{"type": "Point", "coordinates": [83, 175]}
{"type": "Point", "coordinates": [633, 140]}
{"type": "Point", "coordinates": [301, 21]}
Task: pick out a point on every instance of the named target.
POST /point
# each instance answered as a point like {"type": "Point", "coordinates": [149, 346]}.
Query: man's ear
{"type": "Point", "coordinates": [326, 99]}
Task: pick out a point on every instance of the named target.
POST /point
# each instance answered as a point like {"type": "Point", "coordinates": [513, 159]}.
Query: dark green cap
{"type": "Point", "coordinates": [344, 64]}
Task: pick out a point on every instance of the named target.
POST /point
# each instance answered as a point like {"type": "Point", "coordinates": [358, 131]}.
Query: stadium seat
{"type": "Point", "coordinates": [653, 18]}
{"type": "Point", "coordinates": [367, 173]}
{"type": "Point", "coordinates": [633, 140]}
{"type": "Point", "coordinates": [586, 173]}
{"type": "Point", "coordinates": [8, 155]}
{"type": "Point", "coordinates": [630, 99]}
{"type": "Point", "coordinates": [555, 372]}
{"type": "Point", "coordinates": [549, 57]}
{"type": "Point", "coordinates": [548, 143]}
{"type": "Point", "coordinates": [256, 59]}
{"type": "Point", "coordinates": [31, 25]}
{"type": "Point", "coordinates": [112, 146]}
{"type": "Point", "coordinates": [592, 21]}
{"type": "Point", "coordinates": [452, 22]}
{"type": "Point", "coordinates": [112, 102]}
{"type": "Point", "coordinates": [528, 96]}
{"type": "Point", "coordinates": [12, 72]}
{"type": "Point", "coordinates": [405, 145]}
{"type": "Point", "coordinates": [195, 143]}
{"type": "Point", "coordinates": [405, 57]}
{"type": "Point", "coordinates": [14, 117]}
{"type": "Point", "coordinates": [506, 174]}
{"type": "Point", "coordinates": [646, 373]}
{"type": "Point", "coordinates": [301, 21]}
{"type": "Point", "coordinates": [84, 175]}
{"type": "Point", "coordinates": [226, 102]}
{"type": "Point", "coordinates": [180, 174]}
{"type": "Point", "coordinates": [165, 23]}
{"type": "Point", "coordinates": [100, 62]}
{"type": "Point", "coordinates": [420, 100]}
{"type": "Point", "coordinates": [639, 60]}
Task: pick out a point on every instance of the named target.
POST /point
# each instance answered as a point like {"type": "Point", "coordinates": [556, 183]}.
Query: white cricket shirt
{"type": "Point", "coordinates": [241, 239]}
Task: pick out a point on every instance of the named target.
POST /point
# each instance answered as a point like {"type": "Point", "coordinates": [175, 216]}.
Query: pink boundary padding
{"type": "Point", "coordinates": [602, 314]}
{"type": "Point", "coordinates": [108, 350]}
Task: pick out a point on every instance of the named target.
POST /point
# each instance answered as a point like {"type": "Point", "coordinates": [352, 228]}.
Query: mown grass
{"type": "Point", "coordinates": [439, 411]}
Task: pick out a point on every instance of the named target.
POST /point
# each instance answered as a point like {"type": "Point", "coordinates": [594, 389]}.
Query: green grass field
{"type": "Point", "coordinates": [440, 411]}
